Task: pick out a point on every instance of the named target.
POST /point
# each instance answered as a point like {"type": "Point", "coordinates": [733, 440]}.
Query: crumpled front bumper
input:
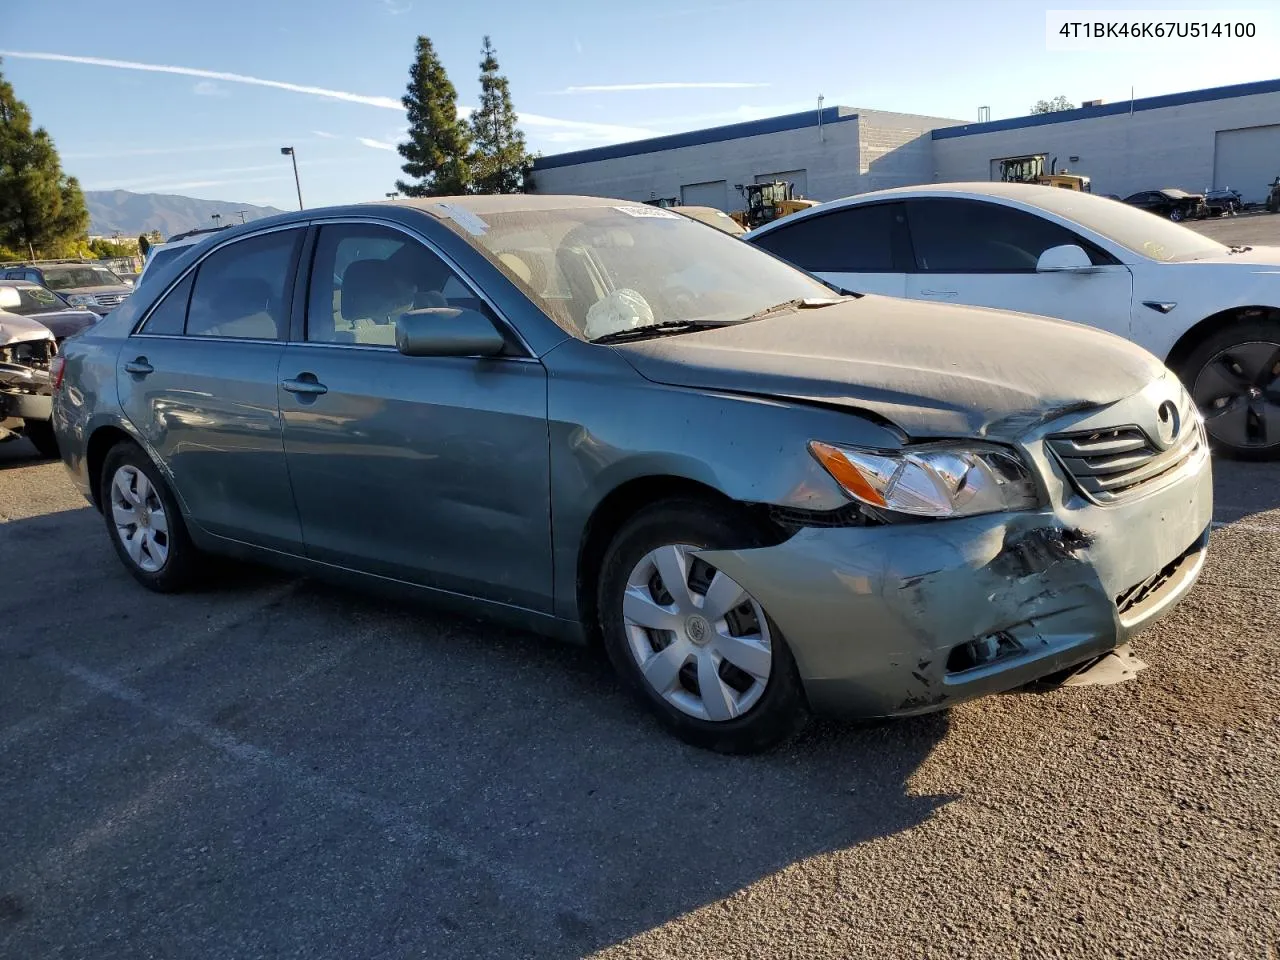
{"type": "Point", "coordinates": [873, 613]}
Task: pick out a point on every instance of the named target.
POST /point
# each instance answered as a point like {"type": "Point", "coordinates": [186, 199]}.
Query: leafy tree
{"type": "Point", "coordinates": [1052, 106]}
{"type": "Point", "coordinates": [499, 159]}
{"type": "Point", "coordinates": [439, 143]}
{"type": "Point", "coordinates": [108, 249]}
{"type": "Point", "coordinates": [42, 210]}
{"type": "Point", "coordinates": [144, 245]}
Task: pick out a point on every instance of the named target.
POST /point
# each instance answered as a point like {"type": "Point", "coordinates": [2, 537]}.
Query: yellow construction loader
{"type": "Point", "coordinates": [1031, 170]}
{"type": "Point", "coordinates": [769, 201]}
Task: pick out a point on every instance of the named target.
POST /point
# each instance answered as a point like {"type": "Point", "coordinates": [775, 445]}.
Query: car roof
{"type": "Point", "coordinates": [1028, 193]}
{"type": "Point", "coordinates": [17, 282]}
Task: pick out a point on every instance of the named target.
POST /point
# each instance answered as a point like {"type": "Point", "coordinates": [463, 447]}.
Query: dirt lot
{"type": "Point", "coordinates": [271, 768]}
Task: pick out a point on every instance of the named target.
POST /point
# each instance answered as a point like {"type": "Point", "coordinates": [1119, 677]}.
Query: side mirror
{"type": "Point", "coordinates": [447, 332]}
{"type": "Point", "coordinates": [1063, 259]}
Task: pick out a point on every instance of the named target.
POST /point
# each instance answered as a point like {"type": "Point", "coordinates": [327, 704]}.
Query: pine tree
{"type": "Point", "coordinates": [500, 157]}
{"type": "Point", "coordinates": [144, 245]}
{"type": "Point", "coordinates": [42, 211]}
{"type": "Point", "coordinates": [436, 152]}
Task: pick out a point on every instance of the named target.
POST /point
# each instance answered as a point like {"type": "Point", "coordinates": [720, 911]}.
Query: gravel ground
{"type": "Point", "coordinates": [1257, 228]}
{"type": "Point", "coordinates": [272, 768]}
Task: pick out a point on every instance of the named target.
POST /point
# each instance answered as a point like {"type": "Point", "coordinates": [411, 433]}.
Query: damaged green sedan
{"type": "Point", "coordinates": [608, 422]}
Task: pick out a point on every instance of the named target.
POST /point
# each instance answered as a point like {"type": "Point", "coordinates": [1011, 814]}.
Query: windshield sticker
{"type": "Point", "coordinates": [648, 212]}
{"type": "Point", "coordinates": [464, 218]}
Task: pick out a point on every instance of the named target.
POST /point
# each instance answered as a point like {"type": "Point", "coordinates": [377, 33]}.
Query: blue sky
{"type": "Point", "coordinates": [582, 74]}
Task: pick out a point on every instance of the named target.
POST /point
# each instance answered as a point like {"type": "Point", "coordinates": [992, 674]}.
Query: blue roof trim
{"type": "Point", "coordinates": [693, 138]}
{"type": "Point", "coordinates": [1111, 109]}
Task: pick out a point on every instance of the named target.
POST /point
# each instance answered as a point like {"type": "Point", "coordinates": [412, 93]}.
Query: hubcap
{"type": "Point", "coordinates": [701, 641]}
{"type": "Point", "coordinates": [1238, 392]}
{"type": "Point", "coordinates": [138, 514]}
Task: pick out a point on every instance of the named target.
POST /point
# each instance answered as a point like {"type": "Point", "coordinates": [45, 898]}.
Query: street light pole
{"type": "Point", "coordinates": [288, 151]}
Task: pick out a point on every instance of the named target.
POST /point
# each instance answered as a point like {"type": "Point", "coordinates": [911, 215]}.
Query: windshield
{"type": "Point", "coordinates": [1145, 233]}
{"type": "Point", "coordinates": [601, 268]}
{"type": "Point", "coordinates": [28, 299]}
{"type": "Point", "coordinates": [71, 278]}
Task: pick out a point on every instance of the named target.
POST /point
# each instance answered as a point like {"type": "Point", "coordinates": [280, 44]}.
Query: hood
{"type": "Point", "coordinates": [933, 370]}
{"type": "Point", "coordinates": [65, 323]}
{"type": "Point", "coordinates": [1257, 256]}
{"type": "Point", "coordinates": [100, 288]}
{"type": "Point", "coordinates": [16, 329]}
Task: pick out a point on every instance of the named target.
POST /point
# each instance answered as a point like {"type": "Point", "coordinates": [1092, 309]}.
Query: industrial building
{"type": "Point", "coordinates": [1202, 139]}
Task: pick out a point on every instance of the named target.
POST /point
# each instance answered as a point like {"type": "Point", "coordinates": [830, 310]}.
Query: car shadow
{"type": "Point", "coordinates": [1242, 489]}
{"type": "Point", "coordinates": [448, 755]}
{"type": "Point", "coordinates": [20, 453]}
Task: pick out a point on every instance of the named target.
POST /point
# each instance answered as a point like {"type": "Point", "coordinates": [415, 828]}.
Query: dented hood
{"type": "Point", "coordinates": [16, 329]}
{"type": "Point", "coordinates": [933, 370]}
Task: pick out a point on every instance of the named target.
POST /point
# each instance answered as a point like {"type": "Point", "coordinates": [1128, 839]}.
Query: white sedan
{"type": "Point", "coordinates": [1210, 312]}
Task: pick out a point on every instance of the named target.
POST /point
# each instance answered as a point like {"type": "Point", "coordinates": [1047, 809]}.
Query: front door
{"type": "Point", "coordinates": [985, 254]}
{"type": "Point", "coordinates": [432, 470]}
{"type": "Point", "coordinates": [198, 381]}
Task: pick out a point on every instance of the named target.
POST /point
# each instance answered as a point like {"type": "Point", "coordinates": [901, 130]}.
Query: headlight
{"type": "Point", "coordinates": [81, 300]}
{"type": "Point", "coordinates": [938, 480]}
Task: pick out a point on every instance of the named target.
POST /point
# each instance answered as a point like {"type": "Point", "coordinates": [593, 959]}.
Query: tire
{"type": "Point", "coordinates": [40, 433]}
{"type": "Point", "coordinates": [770, 714]}
{"type": "Point", "coordinates": [1176, 215]}
{"type": "Point", "coordinates": [1238, 392]}
{"type": "Point", "coordinates": [125, 462]}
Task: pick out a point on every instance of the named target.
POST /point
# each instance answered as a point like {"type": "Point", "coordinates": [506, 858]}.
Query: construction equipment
{"type": "Point", "coordinates": [769, 201]}
{"type": "Point", "coordinates": [1030, 169]}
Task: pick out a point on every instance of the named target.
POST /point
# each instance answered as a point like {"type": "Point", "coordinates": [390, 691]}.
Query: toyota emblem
{"type": "Point", "coordinates": [1168, 424]}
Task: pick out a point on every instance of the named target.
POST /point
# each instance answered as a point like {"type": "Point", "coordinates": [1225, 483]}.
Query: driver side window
{"type": "Point", "coordinates": [364, 276]}
{"type": "Point", "coordinates": [972, 236]}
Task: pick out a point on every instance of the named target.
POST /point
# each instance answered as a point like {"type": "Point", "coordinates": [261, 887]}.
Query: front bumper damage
{"type": "Point", "coordinates": [882, 620]}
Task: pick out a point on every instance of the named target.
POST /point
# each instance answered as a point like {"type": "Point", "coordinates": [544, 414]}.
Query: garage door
{"type": "Point", "coordinates": [1247, 160]}
{"type": "Point", "coordinates": [799, 177]}
{"type": "Point", "coordinates": [712, 193]}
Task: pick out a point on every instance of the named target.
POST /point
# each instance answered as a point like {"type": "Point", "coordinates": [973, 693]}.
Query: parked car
{"type": "Point", "coordinates": [82, 284]}
{"type": "Point", "coordinates": [761, 496]}
{"type": "Point", "coordinates": [1177, 205]}
{"type": "Point", "coordinates": [1225, 202]}
{"type": "Point", "coordinates": [713, 218]}
{"type": "Point", "coordinates": [1211, 312]}
{"type": "Point", "coordinates": [44, 306]}
{"type": "Point", "coordinates": [163, 253]}
{"type": "Point", "coordinates": [26, 349]}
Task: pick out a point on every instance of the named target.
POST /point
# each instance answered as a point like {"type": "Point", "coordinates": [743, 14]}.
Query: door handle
{"type": "Point", "coordinates": [305, 384]}
{"type": "Point", "coordinates": [939, 293]}
{"type": "Point", "coordinates": [139, 367]}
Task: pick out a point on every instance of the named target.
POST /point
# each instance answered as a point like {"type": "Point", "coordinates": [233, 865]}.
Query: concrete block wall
{"type": "Point", "coordinates": [894, 149]}
{"type": "Point", "coordinates": [1123, 153]}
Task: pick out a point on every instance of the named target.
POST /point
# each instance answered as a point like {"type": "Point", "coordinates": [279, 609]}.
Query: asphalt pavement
{"type": "Point", "coordinates": [270, 767]}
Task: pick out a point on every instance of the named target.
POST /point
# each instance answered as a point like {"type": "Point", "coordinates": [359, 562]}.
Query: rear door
{"type": "Point", "coordinates": [861, 248]}
{"type": "Point", "coordinates": [985, 254]}
{"type": "Point", "coordinates": [198, 380]}
{"type": "Point", "coordinates": [430, 470]}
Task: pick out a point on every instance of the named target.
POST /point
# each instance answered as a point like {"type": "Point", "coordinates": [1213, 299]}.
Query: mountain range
{"type": "Point", "coordinates": [112, 211]}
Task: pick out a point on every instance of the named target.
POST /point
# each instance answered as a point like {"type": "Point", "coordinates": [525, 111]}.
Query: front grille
{"type": "Point", "coordinates": [32, 353]}
{"type": "Point", "coordinates": [1147, 592]}
{"type": "Point", "coordinates": [1120, 462]}
{"type": "Point", "coordinates": [110, 299]}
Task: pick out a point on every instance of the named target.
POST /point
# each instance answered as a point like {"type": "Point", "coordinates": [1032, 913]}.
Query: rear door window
{"type": "Point", "coordinates": [169, 317]}
{"type": "Point", "coordinates": [864, 239]}
{"type": "Point", "coordinates": [242, 290]}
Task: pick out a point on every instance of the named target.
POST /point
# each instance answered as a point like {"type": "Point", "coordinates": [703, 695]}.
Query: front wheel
{"type": "Point", "coordinates": [1234, 377]}
{"type": "Point", "coordinates": [691, 641]}
{"type": "Point", "coordinates": [1176, 215]}
{"type": "Point", "coordinates": [40, 433]}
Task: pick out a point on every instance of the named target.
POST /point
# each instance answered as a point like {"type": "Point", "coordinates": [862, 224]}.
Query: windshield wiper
{"type": "Point", "coordinates": [799, 303]}
{"type": "Point", "coordinates": [1237, 248]}
{"type": "Point", "coordinates": [659, 329]}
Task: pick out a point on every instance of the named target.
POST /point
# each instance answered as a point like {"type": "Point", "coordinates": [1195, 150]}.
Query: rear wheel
{"type": "Point", "coordinates": [697, 647]}
{"type": "Point", "coordinates": [144, 522]}
{"type": "Point", "coordinates": [40, 433]}
{"type": "Point", "coordinates": [1234, 377]}
{"type": "Point", "coordinates": [1176, 215]}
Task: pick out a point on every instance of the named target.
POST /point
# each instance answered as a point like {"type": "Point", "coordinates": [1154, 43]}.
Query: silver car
{"type": "Point", "coordinates": [608, 422]}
